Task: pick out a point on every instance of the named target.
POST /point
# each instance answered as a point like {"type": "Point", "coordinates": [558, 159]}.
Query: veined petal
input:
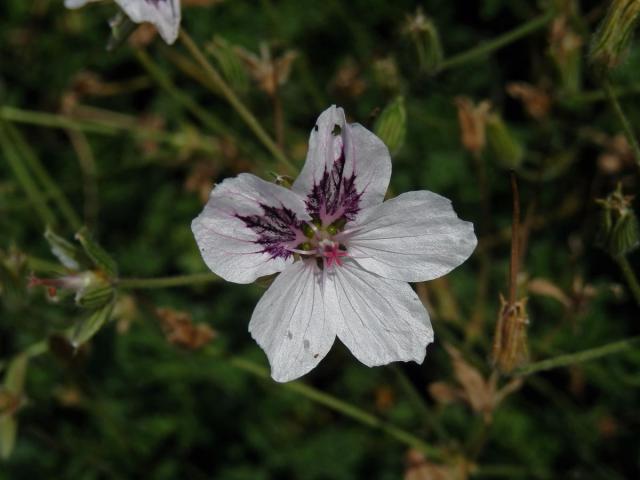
{"type": "Point", "coordinates": [165, 15]}
{"type": "Point", "coordinates": [414, 237]}
{"type": "Point", "coordinates": [247, 228]}
{"type": "Point", "coordinates": [347, 168]}
{"type": "Point", "coordinates": [290, 322]}
{"type": "Point", "coordinates": [379, 320]}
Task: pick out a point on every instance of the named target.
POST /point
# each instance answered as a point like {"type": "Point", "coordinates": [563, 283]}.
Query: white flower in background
{"type": "Point", "coordinates": [163, 14]}
{"type": "Point", "coordinates": [345, 256]}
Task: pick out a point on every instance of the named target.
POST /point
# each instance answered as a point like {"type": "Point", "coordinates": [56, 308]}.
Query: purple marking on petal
{"type": "Point", "coordinates": [334, 196]}
{"type": "Point", "coordinates": [276, 228]}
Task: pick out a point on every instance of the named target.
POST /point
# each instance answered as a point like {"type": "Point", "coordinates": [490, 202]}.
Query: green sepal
{"type": "Point", "coordinates": [97, 254]}
{"type": "Point", "coordinates": [88, 326]}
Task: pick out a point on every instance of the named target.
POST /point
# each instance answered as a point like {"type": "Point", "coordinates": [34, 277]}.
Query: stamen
{"type": "Point", "coordinates": [347, 232]}
{"type": "Point", "coordinates": [301, 252]}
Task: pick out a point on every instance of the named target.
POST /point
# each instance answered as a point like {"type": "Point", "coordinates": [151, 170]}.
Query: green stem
{"type": "Point", "coordinates": [167, 282]}
{"type": "Point", "coordinates": [43, 119]}
{"type": "Point", "coordinates": [24, 178]}
{"type": "Point", "coordinates": [419, 403]}
{"type": "Point", "coordinates": [50, 186]}
{"type": "Point", "coordinates": [185, 100]}
{"type": "Point", "coordinates": [573, 358]}
{"type": "Point", "coordinates": [503, 40]}
{"type": "Point", "coordinates": [218, 85]}
{"type": "Point", "coordinates": [626, 125]}
{"type": "Point", "coordinates": [342, 407]}
{"type": "Point", "coordinates": [101, 127]}
{"type": "Point", "coordinates": [600, 95]}
{"type": "Point", "coordinates": [630, 277]}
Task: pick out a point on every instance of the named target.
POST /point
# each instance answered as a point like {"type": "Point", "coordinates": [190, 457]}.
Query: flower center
{"type": "Point", "coordinates": [325, 243]}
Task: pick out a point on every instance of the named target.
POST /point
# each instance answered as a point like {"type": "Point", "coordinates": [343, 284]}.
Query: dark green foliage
{"type": "Point", "coordinates": [131, 405]}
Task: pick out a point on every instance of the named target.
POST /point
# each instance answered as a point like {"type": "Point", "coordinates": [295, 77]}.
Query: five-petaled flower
{"type": "Point", "coordinates": [345, 257]}
{"type": "Point", "coordinates": [163, 14]}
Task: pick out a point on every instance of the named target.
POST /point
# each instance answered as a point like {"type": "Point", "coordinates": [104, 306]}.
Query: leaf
{"type": "Point", "coordinates": [8, 431]}
{"type": "Point", "coordinates": [87, 327]}
{"type": "Point", "coordinates": [99, 256]}
{"type": "Point", "coordinates": [16, 374]}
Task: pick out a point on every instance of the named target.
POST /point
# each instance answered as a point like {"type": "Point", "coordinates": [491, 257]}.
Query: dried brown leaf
{"type": "Point", "coordinates": [180, 330]}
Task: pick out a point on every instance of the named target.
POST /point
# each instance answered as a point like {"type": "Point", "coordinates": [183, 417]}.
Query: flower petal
{"type": "Point", "coordinates": [247, 226]}
{"type": "Point", "coordinates": [347, 168]}
{"type": "Point", "coordinates": [290, 323]}
{"type": "Point", "coordinates": [414, 237]}
{"type": "Point", "coordinates": [163, 14]}
{"type": "Point", "coordinates": [379, 320]}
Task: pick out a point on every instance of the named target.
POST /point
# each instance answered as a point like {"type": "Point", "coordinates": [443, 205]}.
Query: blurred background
{"type": "Point", "coordinates": [166, 382]}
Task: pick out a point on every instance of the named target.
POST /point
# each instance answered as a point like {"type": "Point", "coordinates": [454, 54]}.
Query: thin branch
{"type": "Point", "coordinates": [630, 277]}
{"type": "Point", "coordinates": [626, 125]}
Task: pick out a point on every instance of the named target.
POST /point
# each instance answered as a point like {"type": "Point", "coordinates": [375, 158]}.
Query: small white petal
{"type": "Point", "coordinates": [290, 323]}
{"type": "Point", "coordinates": [414, 237]}
{"type": "Point", "coordinates": [366, 157]}
{"type": "Point", "coordinates": [165, 15]}
{"type": "Point", "coordinates": [228, 246]}
{"type": "Point", "coordinates": [379, 320]}
{"type": "Point", "coordinates": [77, 3]}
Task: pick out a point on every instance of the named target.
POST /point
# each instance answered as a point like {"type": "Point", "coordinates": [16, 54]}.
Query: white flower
{"type": "Point", "coordinates": [345, 256]}
{"type": "Point", "coordinates": [163, 14]}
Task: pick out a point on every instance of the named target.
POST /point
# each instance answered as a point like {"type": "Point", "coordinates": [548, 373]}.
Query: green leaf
{"type": "Point", "coordinates": [89, 326]}
{"type": "Point", "coordinates": [8, 430]}
{"type": "Point", "coordinates": [99, 256]}
{"type": "Point", "coordinates": [16, 373]}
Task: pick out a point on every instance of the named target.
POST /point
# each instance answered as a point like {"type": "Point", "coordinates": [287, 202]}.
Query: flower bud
{"type": "Point", "coordinates": [611, 41]}
{"type": "Point", "coordinates": [565, 49]}
{"type": "Point", "coordinates": [92, 289]}
{"type": "Point", "coordinates": [618, 232]}
{"type": "Point", "coordinates": [121, 28]}
{"type": "Point", "coordinates": [12, 274]}
{"type": "Point", "coordinates": [504, 146]}
{"type": "Point", "coordinates": [472, 120]}
{"type": "Point", "coordinates": [391, 125]}
{"type": "Point", "coordinates": [510, 349]}
{"type": "Point", "coordinates": [426, 39]}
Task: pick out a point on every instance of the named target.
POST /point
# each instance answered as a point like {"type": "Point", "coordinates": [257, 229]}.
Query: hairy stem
{"type": "Point", "coordinates": [630, 277]}
{"type": "Point", "coordinates": [221, 87]}
{"type": "Point", "coordinates": [166, 282]}
{"type": "Point", "coordinates": [100, 127]}
{"type": "Point", "coordinates": [183, 99]}
{"type": "Point", "coordinates": [419, 403]}
{"type": "Point", "coordinates": [342, 407]}
{"type": "Point", "coordinates": [484, 49]}
{"type": "Point", "coordinates": [578, 357]}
